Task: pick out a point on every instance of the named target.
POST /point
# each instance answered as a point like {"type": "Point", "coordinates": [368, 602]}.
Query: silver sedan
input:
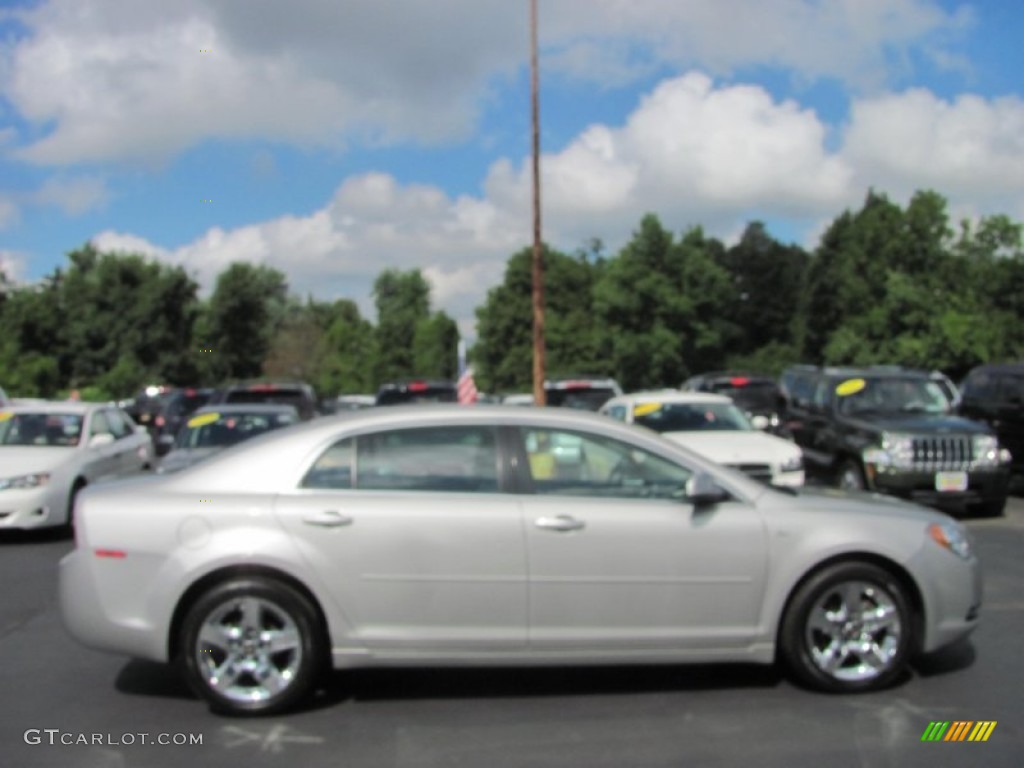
{"type": "Point", "coordinates": [459, 535]}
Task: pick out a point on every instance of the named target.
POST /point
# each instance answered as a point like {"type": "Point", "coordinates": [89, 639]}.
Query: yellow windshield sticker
{"type": "Point", "coordinates": [5, 415]}
{"type": "Point", "coordinates": [646, 409]}
{"type": "Point", "coordinates": [202, 420]}
{"type": "Point", "coordinates": [850, 387]}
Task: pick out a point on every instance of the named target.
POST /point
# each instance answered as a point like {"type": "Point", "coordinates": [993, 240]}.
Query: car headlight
{"type": "Point", "coordinates": [951, 536]}
{"type": "Point", "coordinates": [793, 464]}
{"type": "Point", "coordinates": [25, 481]}
{"type": "Point", "coordinates": [986, 450]}
{"type": "Point", "coordinates": [895, 451]}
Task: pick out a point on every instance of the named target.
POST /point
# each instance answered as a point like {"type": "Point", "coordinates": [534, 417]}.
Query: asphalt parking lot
{"type": "Point", "coordinates": [65, 705]}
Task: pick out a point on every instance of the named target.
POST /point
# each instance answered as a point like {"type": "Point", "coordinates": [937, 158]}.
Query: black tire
{"type": "Point", "coordinates": [232, 629]}
{"type": "Point", "coordinates": [851, 477]}
{"type": "Point", "coordinates": [68, 528]}
{"type": "Point", "coordinates": [830, 644]}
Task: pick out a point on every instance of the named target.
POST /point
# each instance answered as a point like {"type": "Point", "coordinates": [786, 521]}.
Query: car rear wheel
{"type": "Point", "coordinates": [251, 646]}
{"type": "Point", "coordinates": [847, 629]}
{"type": "Point", "coordinates": [851, 477]}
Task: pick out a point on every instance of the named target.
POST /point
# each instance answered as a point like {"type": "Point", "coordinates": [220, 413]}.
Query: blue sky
{"type": "Point", "coordinates": [335, 139]}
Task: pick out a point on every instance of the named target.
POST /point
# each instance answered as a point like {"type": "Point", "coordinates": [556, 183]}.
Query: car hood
{"type": "Point", "coordinates": [181, 458]}
{"type": "Point", "coordinates": [834, 501]}
{"type": "Point", "coordinates": [736, 447]}
{"type": "Point", "coordinates": [26, 460]}
{"type": "Point", "coordinates": [916, 423]}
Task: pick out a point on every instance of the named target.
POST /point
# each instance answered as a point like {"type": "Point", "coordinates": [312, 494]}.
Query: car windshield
{"type": "Point", "coordinates": [891, 395]}
{"type": "Point", "coordinates": [691, 417]}
{"type": "Point", "coordinates": [41, 429]}
{"type": "Point", "coordinates": [219, 430]}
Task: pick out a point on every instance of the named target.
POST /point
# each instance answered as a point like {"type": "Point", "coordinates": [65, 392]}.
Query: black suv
{"type": "Point", "coordinates": [995, 394]}
{"type": "Point", "coordinates": [417, 391]}
{"type": "Point", "coordinates": [584, 393]}
{"type": "Point", "coordinates": [162, 410]}
{"type": "Point", "coordinates": [297, 393]}
{"type": "Point", "coordinates": [758, 395]}
{"type": "Point", "coordinates": [893, 431]}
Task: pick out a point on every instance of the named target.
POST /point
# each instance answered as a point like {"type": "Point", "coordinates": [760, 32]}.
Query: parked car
{"type": "Point", "coordinates": [432, 536]}
{"type": "Point", "coordinates": [50, 451]}
{"type": "Point", "coordinates": [995, 394]}
{"type": "Point", "coordinates": [758, 395]}
{"type": "Point", "coordinates": [585, 393]}
{"type": "Point", "coordinates": [713, 426]}
{"type": "Point", "coordinates": [353, 402]}
{"type": "Point", "coordinates": [295, 393]}
{"type": "Point", "coordinates": [894, 431]}
{"type": "Point", "coordinates": [216, 427]}
{"type": "Point", "coordinates": [164, 414]}
{"type": "Point", "coordinates": [417, 391]}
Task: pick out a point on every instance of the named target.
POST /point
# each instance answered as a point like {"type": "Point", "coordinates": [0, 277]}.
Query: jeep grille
{"type": "Point", "coordinates": [938, 453]}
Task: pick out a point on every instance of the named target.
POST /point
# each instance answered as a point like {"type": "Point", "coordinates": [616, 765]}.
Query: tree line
{"type": "Point", "coordinates": [884, 285]}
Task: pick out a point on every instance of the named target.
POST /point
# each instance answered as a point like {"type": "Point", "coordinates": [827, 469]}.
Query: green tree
{"type": "Point", "coordinates": [246, 309]}
{"type": "Point", "coordinates": [435, 346]}
{"type": "Point", "coordinates": [403, 302]}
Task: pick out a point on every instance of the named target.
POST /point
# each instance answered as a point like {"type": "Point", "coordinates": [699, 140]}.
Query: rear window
{"type": "Point", "coordinates": [583, 398]}
{"type": "Point", "coordinates": [425, 394]}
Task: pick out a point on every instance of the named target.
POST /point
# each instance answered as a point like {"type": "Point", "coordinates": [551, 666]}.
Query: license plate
{"type": "Point", "coordinates": [950, 481]}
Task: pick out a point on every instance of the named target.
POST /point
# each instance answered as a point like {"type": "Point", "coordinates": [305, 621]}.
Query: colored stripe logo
{"type": "Point", "coordinates": [959, 730]}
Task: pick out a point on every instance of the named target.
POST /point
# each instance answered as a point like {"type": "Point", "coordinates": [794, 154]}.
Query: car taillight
{"type": "Point", "coordinates": [739, 381]}
{"type": "Point", "coordinates": [417, 386]}
{"type": "Point", "coordinates": [160, 421]}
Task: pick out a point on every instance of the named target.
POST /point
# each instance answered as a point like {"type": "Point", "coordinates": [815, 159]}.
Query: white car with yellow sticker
{"type": "Point", "coordinates": [713, 426]}
{"type": "Point", "coordinates": [49, 451]}
{"type": "Point", "coordinates": [213, 428]}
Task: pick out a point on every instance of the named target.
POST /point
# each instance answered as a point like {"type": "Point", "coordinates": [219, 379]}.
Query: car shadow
{"type": "Point", "coordinates": [953, 658]}
{"type": "Point", "coordinates": [35, 536]}
{"type": "Point", "coordinates": [152, 679]}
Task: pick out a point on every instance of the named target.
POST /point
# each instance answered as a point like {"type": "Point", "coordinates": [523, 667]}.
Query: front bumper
{"type": "Point", "coordinates": [984, 486]}
{"type": "Point", "coordinates": [29, 508]}
{"type": "Point", "coordinates": [951, 589]}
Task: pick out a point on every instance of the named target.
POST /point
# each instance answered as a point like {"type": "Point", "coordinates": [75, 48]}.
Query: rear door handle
{"type": "Point", "coordinates": [330, 518]}
{"type": "Point", "coordinates": [559, 523]}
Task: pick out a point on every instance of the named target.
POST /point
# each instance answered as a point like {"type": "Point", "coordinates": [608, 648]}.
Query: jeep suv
{"type": "Point", "coordinates": [995, 394]}
{"type": "Point", "coordinates": [893, 431]}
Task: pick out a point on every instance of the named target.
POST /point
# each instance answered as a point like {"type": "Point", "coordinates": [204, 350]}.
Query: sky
{"type": "Point", "coordinates": [333, 139]}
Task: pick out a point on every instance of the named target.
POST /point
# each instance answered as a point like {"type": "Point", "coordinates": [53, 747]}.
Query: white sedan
{"type": "Point", "coordinates": [49, 451]}
{"type": "Point", "coordinates": [714, 427]}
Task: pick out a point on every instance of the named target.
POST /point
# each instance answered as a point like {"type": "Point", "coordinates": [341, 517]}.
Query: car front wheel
{"type": "Point", "coordinates": [847, 629]}
{"type": "Point", "coordinates": [251, 646]}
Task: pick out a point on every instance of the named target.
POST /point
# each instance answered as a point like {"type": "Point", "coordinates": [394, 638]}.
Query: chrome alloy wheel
{"type": "Point", "coordinates": [248, 649]}
{"type": "Point", "coordinates": [853, 631]}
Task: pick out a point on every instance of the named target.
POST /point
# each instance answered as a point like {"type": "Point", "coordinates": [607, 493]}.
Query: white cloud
{"type": "Point", "coordinates": [12, 265]}
{"type": "Point", "coordinates": [969, 149]}
{"type": "Point", "coordinates": [142, 80]}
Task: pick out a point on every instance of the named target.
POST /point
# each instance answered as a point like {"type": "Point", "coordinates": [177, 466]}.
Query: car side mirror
{"type": "Point", "coordinates": [703, 491]}
{"type": "Point", "coordinates": [98, 441]}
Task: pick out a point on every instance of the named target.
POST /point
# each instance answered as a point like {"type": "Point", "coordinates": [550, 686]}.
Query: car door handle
{"type": "Point", "coordinates": [559, 523]}
{"type": "Point", "coordinates": [328, 519]}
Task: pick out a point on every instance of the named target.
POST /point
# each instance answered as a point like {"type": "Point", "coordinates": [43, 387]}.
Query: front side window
{"type": "Point", "coordinates": [439, 458]}
{"type": "Point", "coordinates": [575, 464]}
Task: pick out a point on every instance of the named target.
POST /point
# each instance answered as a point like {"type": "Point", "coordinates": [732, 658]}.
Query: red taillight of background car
{"type": "Point", "coordinates": [417, 386]}
{"type": "Point", "coordinates": [739, 381]}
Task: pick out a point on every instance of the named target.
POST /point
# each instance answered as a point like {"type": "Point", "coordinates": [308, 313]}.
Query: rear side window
{"type": "Point", "coordinates": [438, 458]}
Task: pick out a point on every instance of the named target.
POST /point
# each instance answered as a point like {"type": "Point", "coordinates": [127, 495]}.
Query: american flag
{"type": "Point", "coordinates": [466, 386]}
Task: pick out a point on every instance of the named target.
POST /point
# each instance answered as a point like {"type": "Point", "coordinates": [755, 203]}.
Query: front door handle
{"type": "Point", "coordinates": [559, 523]}
{"type": "Point", "coordinates": [329, 518]}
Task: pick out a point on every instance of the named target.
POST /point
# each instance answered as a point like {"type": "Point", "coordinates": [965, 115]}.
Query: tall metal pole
{"type": "Point", "coordinates": [538, 253]}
